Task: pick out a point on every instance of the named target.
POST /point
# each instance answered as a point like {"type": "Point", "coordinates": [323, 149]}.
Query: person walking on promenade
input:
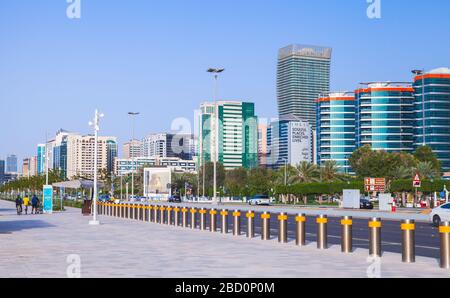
{"type": "Point", "coordinates": [19, 203]}
{"type": "Point", "coordinates": [34, 204]}
{"type": "Point", "coordinates": [26, 203]}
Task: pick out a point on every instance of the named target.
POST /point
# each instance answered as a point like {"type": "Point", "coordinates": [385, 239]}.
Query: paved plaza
{"type": "Point", "coordinates": [46, 246]}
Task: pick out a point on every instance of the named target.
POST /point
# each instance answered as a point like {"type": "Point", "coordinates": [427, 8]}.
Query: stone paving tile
{"type": "Point", "coordinates": [38, 246]}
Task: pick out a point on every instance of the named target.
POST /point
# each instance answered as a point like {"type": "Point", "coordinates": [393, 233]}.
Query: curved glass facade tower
{"type": "Point", "coordinates": [432, 113]}
{"type": "Point", "coordinates": [385, 116]}
{"type": "Point", "coordinates": [336, 129]}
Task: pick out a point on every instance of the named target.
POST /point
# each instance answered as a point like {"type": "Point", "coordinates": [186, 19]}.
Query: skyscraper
{"type": "Point", "coordinates": [237, 134]}
{"type": "Point", "coordinates": [303, 73]}
{"type": "Point", "coordinates": [41, 159]}
{"type": "Point", "coordinates": [169, 145]}
{"type": "Point", "coordinates": [11, 164]}
{"type": "Point", "coordinates": [385, 116]}
{"type": "Point", "coordinates": [336, 129]}
{"type": "Point", "coordinates": [432, 113]}
{"type": "Point", "coordinates": [132, 149]}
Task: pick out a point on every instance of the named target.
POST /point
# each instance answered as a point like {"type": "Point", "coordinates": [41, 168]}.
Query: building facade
{"type": "Point", "coordinates": [385, 116]}
{"type": "Point", "coordinates": [11, 164]}
{"type": "Point", "coordinates": [432, 113]}
{"type": "Point", "coordinates": [237, 135]}
{"type": "Point", "coordinates": [303, 73]}
{"type": "Point", "coordinates": [169, 145]}
{"type": "Point", "coordinates": [126, 166]}
{"type": "Point", "coordinates": [80, 155]}
{"type": "Point", "coordinates": [262, 145]}
{"type": "Point", "coordinates": [26, 168]}
{"type": "Point", "coordinates": [289, 142]}
{"type": "Point", "coordinates": [41, 159]}
{"type": "Point", "coordinates": [336, 123]}
{"type": "Point", "coordinates": [133, 149]}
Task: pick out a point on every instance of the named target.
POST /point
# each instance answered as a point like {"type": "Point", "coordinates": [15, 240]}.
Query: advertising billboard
{"type": "Point", "coordinates": [300, 139]}
{"type": "Point", "coordinates": [47, 199]}
{"type": "Point", "coordinates": [157, 182]}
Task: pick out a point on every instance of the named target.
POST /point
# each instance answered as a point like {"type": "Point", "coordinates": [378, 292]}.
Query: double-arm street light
{"type": "Point", "coordinates": [419, 72]}
{"type": "Point", "coordinates": [215, 153]}
{"type": "Point", "coordinates": [95, 123]}
{"type": "Point", "coordinates": [133, 166]}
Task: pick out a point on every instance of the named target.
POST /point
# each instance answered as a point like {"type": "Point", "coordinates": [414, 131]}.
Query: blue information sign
{"type": "Point", "coordinates": [48, 199]}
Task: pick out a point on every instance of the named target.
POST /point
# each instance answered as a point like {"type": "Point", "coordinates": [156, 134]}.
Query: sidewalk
{"type": "Point", "coordinates": [38, 246]}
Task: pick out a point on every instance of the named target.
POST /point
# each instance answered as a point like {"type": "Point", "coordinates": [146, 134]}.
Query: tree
{"type": "Point", "coordinates": [236, 182]}
{"type": "Point", "coordinates": [426, 170]}
{"type": "Point", "coordinates": [401, 172]}
{"type": "Point", "coordinates": [260, 181]}
{"type": "Point", "coordinates": [209, 177]}
{"type": "Point", "coordinates": [426, 154]}
{"type": "Point", "coordinates": [329, 172]}
{"type": "Point", "coordinates": [306, 173]}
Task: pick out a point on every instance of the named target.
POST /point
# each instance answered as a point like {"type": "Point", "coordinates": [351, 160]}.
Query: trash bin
{"type": "Point", "coordinates": [87, 207]}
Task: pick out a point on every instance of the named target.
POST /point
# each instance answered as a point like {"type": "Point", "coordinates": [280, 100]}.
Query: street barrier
{"type": "Point", "coordinates": [193, 218]}
{"type": "Point", "coordinates": [176, 216]}
{"type": "Point", "coordinates": [150, 213]}
{"type": "Point", "coordinates": [300, 233]}
{"type": "Point", "coordinates": [224, 226]}
{"type": "Point", "coordinates": [265, 226]}
{"type": "Point", "coordinates": [322, 232]}
{"type": "Point", "coordinates": [375, 237]}
{"type": "Point", "coordinates": [282, 229]}
{"type": "Point", "coordinates": [184, 215]}
{"type": "Point", "coordinates": [444, 230]}
{"type": "Point", "coordinates": [202, 213]}
{"type": "Point", "coordinates": [213, 220]}
{"type": "Point", "coordinates": [408, 241]}
{"type": "Point", "coordinates": [250, 224]}
{"type": "Point", "coordinates": [237, 223]}
{"type": "Point", "coordinates": [115, 210]}
{"type": "Point", "coordinates": [347, 234]}
{"type": "Point", "coordinates": [155, 214]}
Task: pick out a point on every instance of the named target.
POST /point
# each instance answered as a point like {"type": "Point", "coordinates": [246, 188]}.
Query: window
{"type": "Point", "coordinates": [446, 206]}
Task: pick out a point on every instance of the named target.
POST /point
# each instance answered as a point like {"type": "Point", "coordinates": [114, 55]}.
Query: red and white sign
{"type": "Point", "coordinates": [417, 182]}
{"type": "Point", "coordinates": [375, 184]}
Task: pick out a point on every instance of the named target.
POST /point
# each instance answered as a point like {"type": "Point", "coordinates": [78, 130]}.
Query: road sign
{"type": "Point", "coordinates": [375, 184]}
{"type": "Point", "coordinates": [417, 183]}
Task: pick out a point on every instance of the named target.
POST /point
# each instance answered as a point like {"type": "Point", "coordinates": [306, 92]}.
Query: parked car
{"type": "Point", "coordinates": [260, 200]}
{"type": "Point", "coordinates": [175, 199]}
{"type": "Point", "coordinates": [104, 198]}
{"type": "Point", "coordinates": [365, 204]}
{"type": "Point", "coordinates": [440, 214]}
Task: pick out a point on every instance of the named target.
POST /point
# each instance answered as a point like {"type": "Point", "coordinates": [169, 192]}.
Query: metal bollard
{"type": "Point", "coordinates": [116, 210]}
{"type": "Point", "coordinates": [140, 212]}
{"type": "Point", "coordinates": [184, 219]}
{"type": "Point", "coordinates": [375, 237]}
{"type": "Point", "coordinates": [169, 215]}
{"type": "Point", "coordinates": [444, 230]}
{"type": "Point", "coordinates": [224, 226]}
{"type": "Point", "coordinates": [213, 220]}
{"type": "Point", "coordinates": [265, 226]}
{"type": "Point", "coordinates": [250, 224]}
{"type": "Point", "coordinates": [408, 241]}
{"type": "Point", "coordinates": [300, 233]}
{"type": "Point", "coordinates": [347, 234]}
{"type": "Point", "coordinates": [237, 223]}
{"type": "Point", "coordinates": [202, 213]}
{"type": "Point", "coordinates": [136, 211]}
{"type": "Point", "coordinates": [147, 213]}
{"type": "Point", "coordinates": [193, 218]}
{"type": "Point", "coordinates": [150, 213]}
{"type": "Point", "coordinates": [155, 214]}
{"type": "Point", "coordinates": [122, 211]}
{"type": "Point", "coordinates": [322, 232]}
{"type": "Point", "coordinates": [162, 216]}
{"type": "Point", "coordinates": [176, 216]}
{"type": "Point", "coordinates": [282, 229]}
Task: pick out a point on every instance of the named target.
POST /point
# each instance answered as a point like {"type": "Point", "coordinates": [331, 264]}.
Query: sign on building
{"type": "Point", "coordinates": [300, 139]}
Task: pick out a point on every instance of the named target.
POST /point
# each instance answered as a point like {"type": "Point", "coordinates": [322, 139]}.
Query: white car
{"type": "Point", "coordinates": [259, 200]}
{"type": "Point", "coordinates": [440, 214]}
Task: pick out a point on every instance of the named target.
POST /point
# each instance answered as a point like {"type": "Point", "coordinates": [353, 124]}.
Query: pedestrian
{"type": "Point", "coordinates": [26, 203]}
{"type": "Point", "coordinates": [34, 204]}
{"type": "Point", "coordinates": [19, 203]}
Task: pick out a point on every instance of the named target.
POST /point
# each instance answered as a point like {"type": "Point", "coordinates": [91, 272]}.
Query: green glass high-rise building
{"type": "Point", "coordinates": [432, 113]}
{"type": "Point", "coordinates": [303, 73]}
{"type": "Point", "coordinates": [237, 135]}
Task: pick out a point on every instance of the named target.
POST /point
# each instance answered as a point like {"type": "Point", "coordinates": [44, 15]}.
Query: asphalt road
{"type": "Point", "coordinates": [427, 236]}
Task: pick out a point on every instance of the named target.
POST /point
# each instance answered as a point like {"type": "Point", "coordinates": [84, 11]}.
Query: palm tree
{"type": "Point", "coordinates": [329, 171]}
{"type": "Point", "coordinates": [401, 172]}
{"type": "Point", "coordinates": [427, 170]}
{"type": "Point", "coordinates": [306, 173]}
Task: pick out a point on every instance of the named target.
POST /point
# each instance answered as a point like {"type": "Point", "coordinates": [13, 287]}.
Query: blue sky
{"type": "Point", "coordinates": [151, 56]}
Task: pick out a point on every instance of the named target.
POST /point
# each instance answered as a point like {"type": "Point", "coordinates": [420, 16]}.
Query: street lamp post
{"type": "Point", "coordinates": [133, 168]}
{"type": "Point", "coordinates": [216, 72]}
{"type": "Point", "coordinates": [96, 126]}
{"type": "Point", "coordinates": [418, 72]}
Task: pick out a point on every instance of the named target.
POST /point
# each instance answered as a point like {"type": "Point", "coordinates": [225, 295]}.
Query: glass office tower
{"type": "Point", "coordinates": [432, 113]}
{"type": "Point", "coordinates": [303, 73]}
{"type": "Point", "coordinates": [336, 117]}
{"type": "Point", "coordinates": [385, 116]}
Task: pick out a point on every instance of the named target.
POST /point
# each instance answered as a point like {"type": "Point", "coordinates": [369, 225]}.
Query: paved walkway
{"type": "Point", "coordinates": [39, 245]}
